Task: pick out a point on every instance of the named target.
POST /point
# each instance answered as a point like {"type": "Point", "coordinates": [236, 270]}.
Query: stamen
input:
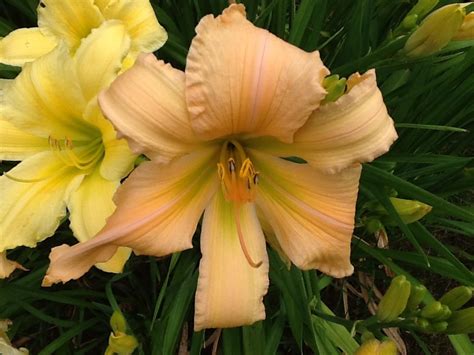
{"type": "Point", "coordinates": [237, 173]}
{"type": "Point", "coordinates": [243, 246]}
{"type": "Point", "coordinates": [89, 153]}
{"type": "Point", "coordinates": [220, 171]}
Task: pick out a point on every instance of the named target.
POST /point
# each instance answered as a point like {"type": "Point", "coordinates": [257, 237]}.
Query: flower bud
{"type": "Point", "coordinates": [432, 310]}
{"type": "Point", "coordinates": [457, 297]}
{"type": "Point", "coordinates": [461, 322]}
{"type": "Point", "coordinates": [395, 299]}
{"type": "Point", "coordinates": [410, 210]}
{"type": "Point", "coordinates": [121, 343]}
{"type": "Point", "coordinates": [376, 347]}
{"type": "Point", "coordinates": [467, 28]}
{"type": "Point", "coordinates": [417, 294]}
{"type": "Point", "coordinates": [422, 8]}
{"type": "Point", "coordinates": [118, 322]}
{"type": "Point", "coordinates": [436, 31]}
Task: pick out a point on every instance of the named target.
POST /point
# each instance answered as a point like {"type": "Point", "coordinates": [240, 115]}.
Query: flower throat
{"type": "Point", "coordinates": [238, 180]}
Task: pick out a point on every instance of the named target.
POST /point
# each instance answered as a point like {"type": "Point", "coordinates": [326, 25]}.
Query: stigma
{"type": "Point", "coordinates": [237, 174]}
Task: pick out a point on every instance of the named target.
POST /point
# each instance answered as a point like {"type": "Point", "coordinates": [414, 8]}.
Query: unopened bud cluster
{"type": "Point", "coordinates": [403, 301]}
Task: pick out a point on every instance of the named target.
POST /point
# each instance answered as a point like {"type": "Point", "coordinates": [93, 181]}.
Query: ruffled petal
{"type": "Point", "coordinates": [140, 21]}
{"type": "Point", "coordinates": [7, 266]}
{"type": "Point", "coordinates": [70, 21]}
{"type": "Point", "coordinates": [99, 57]}
{"type": "Point", "coordinates": [243, 79]}
{"type": "Point", "coordinates": [230, 291]}
{"type": "Point", "coordinates": [45, 99]}
{"type": "Point", "coordinates": [355, 128]}
{"type": "Point", "coordinates": [311, 213]}
{"type": "Point", "coordinates": [90, 206]}
{"type": "Point", "coordinates": [146, 104]}
{"type": "Point", "coordinates": [158, 208]}
{"type": "Point", "coordinates": [32, 210]}
{"type": "Point", "coordinates": [18, 145]}
{"type": "Point", "coordinates": [24, 45]}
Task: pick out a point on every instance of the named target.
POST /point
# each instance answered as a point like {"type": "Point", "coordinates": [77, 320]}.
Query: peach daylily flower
{"type": "Point", "coordinates": [215, 134]}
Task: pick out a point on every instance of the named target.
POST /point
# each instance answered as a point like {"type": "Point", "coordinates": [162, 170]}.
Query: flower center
{"type": "Point", "coordinates": [84, 156]}
{"type": "Point", "coordinates": [238, 180]}
{"type": "Point", "coordinates": [237, 173]}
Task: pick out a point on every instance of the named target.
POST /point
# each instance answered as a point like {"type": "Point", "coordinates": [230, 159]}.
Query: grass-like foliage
{"type": "Point", "coordinates": [431, 100]}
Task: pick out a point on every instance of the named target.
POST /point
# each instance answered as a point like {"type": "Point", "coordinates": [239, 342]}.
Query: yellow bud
{"type": "Point", "coordinates": [375, 347]}
{"type": "Point", "coordinates": [388, 347]}
{"type": "Point", "coordinates": [467, 28]}
{"type": "Point", "coordinates": [395, 299]}
{"type": "Point", "coordinates": [121, 343]}
{"type": "Point", "coordinates": [436, 31]}
{"type": "Point", "coordinates": [118, 322]}
{"type": "Point", "coordinates": [410, 210]}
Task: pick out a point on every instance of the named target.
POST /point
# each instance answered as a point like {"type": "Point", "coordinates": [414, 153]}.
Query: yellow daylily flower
{"type": "Point", "coordinates": [206, 131]}
{"type": "Point", "coordinates": [72, 21]}
{"type": "Point", "coordinates": [51, 122]}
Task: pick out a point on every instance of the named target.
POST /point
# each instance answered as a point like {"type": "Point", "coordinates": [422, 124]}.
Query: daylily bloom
{"type": "Point", "coordinates": [72, 21]}
{"type": "Point", "coordinates": [50, 120]}
{"type": "Point", "coordinates": [215, 134]}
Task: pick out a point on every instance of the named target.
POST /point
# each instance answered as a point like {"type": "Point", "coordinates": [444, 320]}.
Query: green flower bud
{"type": "Point", "coordinates": [432, 310]}
{"type": "Point", "coordinates": [118, 322]}
{"type": "Point", "coordinates": [436, 31]}
{"type": "Point", "coordinates": [422, 8]}
{"type": "Point", "coordinates": [438, 327]}
{"type": "Point", "coordinates": [423, 324]}
{"type": "Point", "coordinates": [373, 225]}
{"type": "Point", "coordinates": [394, 301]}
{"type": "Point", "coordinates": [461, 322]}
{"type": "Point", "coordinates": [444, 314]}
{"type": "Point", "coordinates": [417, 294]}
{"type": "Point", "coordinates": [410, 210]}
{"type": "Point", "coordinates": [457, 297]}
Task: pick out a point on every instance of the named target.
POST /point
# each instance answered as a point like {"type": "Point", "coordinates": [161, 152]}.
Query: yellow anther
{"type": "Point", "coordinates": [237, 173]}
